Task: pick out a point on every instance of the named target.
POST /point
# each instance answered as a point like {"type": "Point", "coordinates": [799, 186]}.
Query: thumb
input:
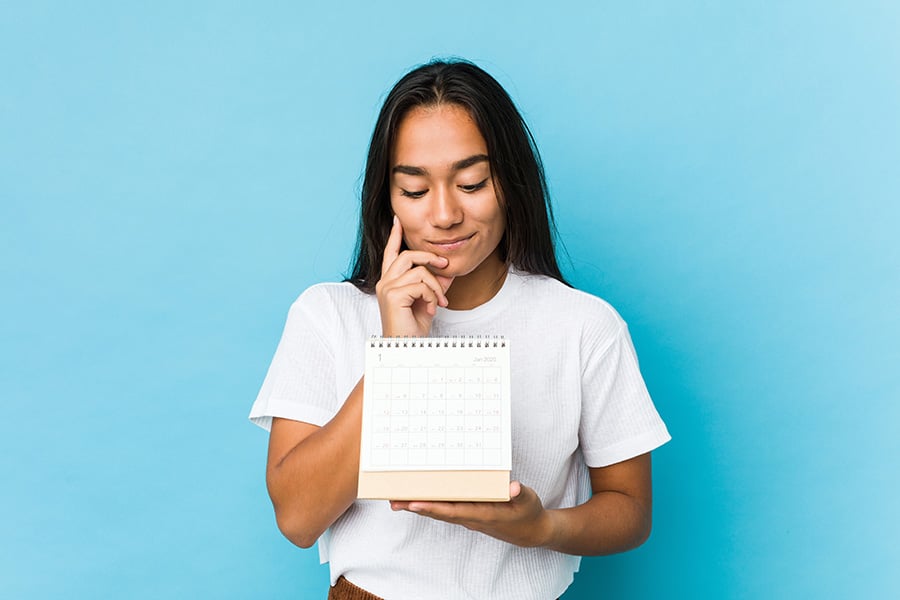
{"type": "Point", "coordinates": [515, 488]}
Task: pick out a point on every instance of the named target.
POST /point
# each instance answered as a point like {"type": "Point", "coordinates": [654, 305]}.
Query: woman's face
{"type": "Point", "coordinates": [442, 191]}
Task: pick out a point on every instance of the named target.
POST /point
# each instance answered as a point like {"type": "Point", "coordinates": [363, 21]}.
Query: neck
{"type": "Point", "coordinates": [472, 290]}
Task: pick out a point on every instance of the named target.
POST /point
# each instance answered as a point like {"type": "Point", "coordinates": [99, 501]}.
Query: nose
{"type": "Point", "coordinates": [446, 210]}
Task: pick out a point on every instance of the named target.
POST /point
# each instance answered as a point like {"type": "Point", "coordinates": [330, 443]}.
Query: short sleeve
{"type": "Point", "coordinates": [300, 383]}
{"type": "Point", "coordinates": [618, 420]}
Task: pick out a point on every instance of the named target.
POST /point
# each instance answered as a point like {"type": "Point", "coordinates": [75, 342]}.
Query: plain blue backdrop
{"type": "Point", "coordinates": [172, 175]}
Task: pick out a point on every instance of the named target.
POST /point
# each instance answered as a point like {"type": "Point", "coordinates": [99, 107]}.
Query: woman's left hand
{"type": "Point", "coordinates": [522, 520]}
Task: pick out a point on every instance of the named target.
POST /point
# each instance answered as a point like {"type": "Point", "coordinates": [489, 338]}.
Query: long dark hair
{"type": "Point", "coordinates": [516, 168]}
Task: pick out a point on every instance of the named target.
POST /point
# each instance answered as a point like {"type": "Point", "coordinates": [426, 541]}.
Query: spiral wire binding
{"type": "Point", "coordinates": [468, 341]}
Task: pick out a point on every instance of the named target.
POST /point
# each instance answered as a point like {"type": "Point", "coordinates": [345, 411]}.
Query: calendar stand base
{"type": "Point", "coordinates": [448, 486]}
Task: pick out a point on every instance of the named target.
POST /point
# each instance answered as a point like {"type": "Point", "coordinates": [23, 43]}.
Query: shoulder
{"type": "Point", "coordinates": [324, 305]}
{"type": "Point", "coordinates": [567, 304]}
{"type": "Point", "coordinates": [331, 313]}
{"type": "Point", "coordinates": [326, 296]}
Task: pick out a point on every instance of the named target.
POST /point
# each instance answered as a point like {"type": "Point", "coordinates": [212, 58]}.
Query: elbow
{"type": "Point", "coordinates": [642, 531]}
{"type": "Point", "coordinates": [643, 535]}
{"type": "Point", "coordinates": [300, 538]}
{"type": "Point", "coordinates": [641, 522]}
{"type": "Point", "coordinates": [301, 541]}
{"type": "Point", "coordinates": [297, 531]}
{"type": "Point", "coordinates": [632, 534]}
{"type": "Point", "coordinates": [294, 519]}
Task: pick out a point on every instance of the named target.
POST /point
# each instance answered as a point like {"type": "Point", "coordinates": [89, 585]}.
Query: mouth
{"type": "Point", "coordinates": [451, 244]}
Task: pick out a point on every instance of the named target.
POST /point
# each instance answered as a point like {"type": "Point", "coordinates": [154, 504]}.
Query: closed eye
{"type": "Point", "coordinates": [411, 194]}
{"type": "Point", "coordinates": [475, 186]}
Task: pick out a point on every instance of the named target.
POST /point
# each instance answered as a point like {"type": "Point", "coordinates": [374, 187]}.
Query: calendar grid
{"type": "Point", "coordinates": [433, 405]}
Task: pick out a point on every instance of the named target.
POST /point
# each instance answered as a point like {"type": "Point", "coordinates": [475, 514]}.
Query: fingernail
{"type": "Point", "coordinates": [396, 220]}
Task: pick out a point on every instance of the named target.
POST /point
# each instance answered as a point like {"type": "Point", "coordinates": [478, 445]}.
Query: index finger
{"type": "Point", "coordinates": [392, 248]}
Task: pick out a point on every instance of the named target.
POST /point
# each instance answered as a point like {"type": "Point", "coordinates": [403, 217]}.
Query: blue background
{"type": "Point", "coordinates": [726, 174]}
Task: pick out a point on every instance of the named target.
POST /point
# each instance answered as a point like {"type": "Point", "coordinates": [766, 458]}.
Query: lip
{"type": "Point", "coordinates": [452, 243]}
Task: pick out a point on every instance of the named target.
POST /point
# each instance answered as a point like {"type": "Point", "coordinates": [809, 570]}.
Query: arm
{"type": "Point", "coordinates": [615, 519]}
{"type": "Point", "coordinates": [312, 472]}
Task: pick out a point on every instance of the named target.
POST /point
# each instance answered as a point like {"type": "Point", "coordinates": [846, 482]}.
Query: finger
{"type": "Point", "coordinates": [522, 495]}
{"type": "Point", "coordinates": [444, 511]}
{"type": "Point", "coordinates": [444, 281]}
{"type": "Point", "coordinates": [460, 511]}
{"type": "Point", "coordinates": [406, 295]}
{"type": "Point", "coordinates": [415, 276]}
{"type": "Point", "coordinates": [392, 248]}
{"type": "Point", "coordinates": [426, 507]}
{"type": "Point", "coordinates": [408, 259]}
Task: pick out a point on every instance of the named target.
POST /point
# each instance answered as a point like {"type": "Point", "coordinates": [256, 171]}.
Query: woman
{"type": "Point", "coordinates": [455, 239]}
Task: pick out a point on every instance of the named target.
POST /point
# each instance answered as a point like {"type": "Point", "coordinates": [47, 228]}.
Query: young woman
{"type": "Point", "coordinates": [455, 239]}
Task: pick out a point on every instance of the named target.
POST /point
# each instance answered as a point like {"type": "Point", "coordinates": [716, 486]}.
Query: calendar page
{"type": "Point", "coordinates": [436, 404]}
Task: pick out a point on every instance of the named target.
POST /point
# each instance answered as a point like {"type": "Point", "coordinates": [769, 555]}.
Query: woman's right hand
{"type": "Point", "coordinates": [408, 293]}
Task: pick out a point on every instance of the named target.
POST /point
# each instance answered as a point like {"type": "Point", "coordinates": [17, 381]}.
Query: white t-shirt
{"type": "Point", "coordinates": [578, 400]}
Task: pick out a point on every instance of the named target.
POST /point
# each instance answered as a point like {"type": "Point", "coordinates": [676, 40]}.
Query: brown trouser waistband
{"type": "Point", "coordinates": [344, 590]}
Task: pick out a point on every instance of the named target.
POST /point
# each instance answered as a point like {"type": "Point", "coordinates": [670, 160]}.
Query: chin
{"type": "Point", "coordinates": [449, 272]}
{"type": "Point", "coordinates": [455, 269]}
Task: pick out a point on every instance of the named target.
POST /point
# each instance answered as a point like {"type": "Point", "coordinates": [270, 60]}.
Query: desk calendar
{"type": "Point", "coordinates": [436, 419]}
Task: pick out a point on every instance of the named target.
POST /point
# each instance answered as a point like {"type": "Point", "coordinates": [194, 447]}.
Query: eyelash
{"type": "Point", "coordinates": [465, 188]}
{"type": "Point", "coordinates": [474, 187]}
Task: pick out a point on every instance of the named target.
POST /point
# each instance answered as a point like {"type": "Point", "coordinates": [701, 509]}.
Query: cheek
{"type": "Point", "coordinates": [411, 235]}
{"type": "Point", "coordinates": [495, 220]}
{"type": "Point", "coordinates": [411, 217]}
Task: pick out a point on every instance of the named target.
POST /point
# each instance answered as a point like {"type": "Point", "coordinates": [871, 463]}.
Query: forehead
{"type": "Point", "coordinates": [437, 136]}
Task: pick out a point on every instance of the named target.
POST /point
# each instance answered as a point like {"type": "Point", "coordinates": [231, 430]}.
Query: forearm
{"type": "Point", "coordinates": [608, 523]}
{"type": "Point", "coordinates": [315, 481]}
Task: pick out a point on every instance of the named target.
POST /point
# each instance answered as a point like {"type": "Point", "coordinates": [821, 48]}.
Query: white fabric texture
{"type": "Point", "coordinates": [578, 400]}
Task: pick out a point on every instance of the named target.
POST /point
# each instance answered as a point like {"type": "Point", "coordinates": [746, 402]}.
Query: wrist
{"type": "Point", "coordinates": [547, 527]}
{"type": "Point", "coordinates": [402, 330]}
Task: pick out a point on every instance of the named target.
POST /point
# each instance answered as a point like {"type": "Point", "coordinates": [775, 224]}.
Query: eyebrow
{"type": "Point", "coordinates": [457, 166]}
